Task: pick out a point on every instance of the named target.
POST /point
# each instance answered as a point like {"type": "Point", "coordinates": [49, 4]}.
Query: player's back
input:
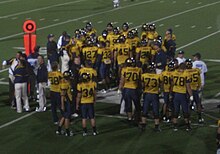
{"type": "Point", "coordinates": [180, 79]}
{"type": "Point", "coordinates": [55, 80]}
{"type": "Point", "coordinates": [166, 80]}
{"type": "Point", "coordinates": [195, 79]}
{"type": "Point", "coordinates": [131, 76]}
{"type": "Point", "coordinates": [88, 91]}
{"type": "Point", "coordinates": [151, 82]}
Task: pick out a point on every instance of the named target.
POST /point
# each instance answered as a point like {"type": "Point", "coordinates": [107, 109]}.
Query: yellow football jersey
{"type": "Point", "coordinates": [152, 35]}
{"type": "Point", "coordinates": [88, 91]}
{"type": "Point", "coordinates": [195, 78]}
{"type": "Point", "coordinates": [166, 80]}
{"type": "Point", "coordinates": [144, 35]}
{"type": "Point", "coordinates": [122, 52]}
{"type": "Point", "coordinates": [125, 33]}
{"type": "Point", "coordinates": [55, 80]}
{"type": "Point", "coordinates": [151, 83]}
{"type": "Point", "coordinates": [93, 31]}
{"type": "Point", "coordinates": [66, 85]}
{"type": "Point", "coordinates": [91, 71]}
{"type": "Point", "coordinates": [133, 42]}
{"type": "Point", "coordinates": [102, 39]}
{"type": "Point", "coordinates": [180, 79]}
{"type": "Point", "coordinates": [112, 39]}
{"type": "Point", "coordinates": [90, 53]}
{"type": "Point", "coordinates": [74, 50]}
{"type": "Point", "coordinates": [132, 76]}
{"type": "Point", "coordinates": [106, 54]}
{"type": "Point", "coordinates": [144, 54]}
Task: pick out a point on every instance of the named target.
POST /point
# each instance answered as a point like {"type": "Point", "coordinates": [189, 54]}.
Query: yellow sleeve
{"type": "Point", "coordinates": [138, 50]}
{"type": "Point", "coordinates": [100, 51]}
{"type": "Point", "coordinates": [64, 85]}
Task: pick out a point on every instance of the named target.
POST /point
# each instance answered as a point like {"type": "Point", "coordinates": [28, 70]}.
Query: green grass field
{"type": "Point", "coordinates": [196, 23]}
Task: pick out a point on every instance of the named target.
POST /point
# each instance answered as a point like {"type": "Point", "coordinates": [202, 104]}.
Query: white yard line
{"type": "Point", "coordinates": [180, 13]}
{"type": "Point", "coordinates": [9, 123]}
{"type": "Point", "coordinates": [9, 1]}
{"type": "Point", "coordinates": [16, 120]}
{"type": "Point", "coordinates": [99, 13]}
{"type": "Point", "coordinates": [4, 83]}
{"type": "Point", "coordinates": [198, 40]}
{"type": "Point", "coordinates": [40, 9]}
{"type": "Point", "coordinates": [213, 60]}
{"type": "Point", "coordinates": [3, 70]}
{"type": "Point", "coordinates": [80, 18]}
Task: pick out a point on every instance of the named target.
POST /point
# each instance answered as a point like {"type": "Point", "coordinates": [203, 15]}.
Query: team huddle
{"type": "Point", "coordinates": [141, 66]}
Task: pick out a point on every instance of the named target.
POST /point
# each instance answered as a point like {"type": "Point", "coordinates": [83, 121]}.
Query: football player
{"type": "Point", "coordinates": [89, 29]}
{"type": "Point", "coordinates": [181, 86]}
{"type": "Point", "coordinates": [152, 34]}
{"type": "Point", "coordinates": [145, 31]}
{"type": "Point", "coordinates": [121, 53]}
{"type": "Point", "coordinates": [145, 53]}
{"type": "Point", "coordinates": [66, 99]}
{"type": "Point", "coordinates": [116, 3]}
{"type": "Point", "coordinates": [112, 38]}
{"type": "Point", "coordinates": [88, 69]}
{"type": "Point", "coordinates": [86, 97]}
{"type": "Point", "coordinates": [89, 52]}
{"type": "Point", "coordinates": [109, 28]}
{"type": "Point", "coordinates": [132, 40]}
{"type": "Point", "coordinates": [125, 29]}
{"type": "Point", "coordinates": [103, 37]}
{"type": "Point", "coordinates": [167, 93]}
{"type": "Point", "coordinates": [151, 83]}
{"type": "Point", "coordinates": [55, 79]}
{"type": "Point", "coordinates": [195, 84]}
{"type": "Point", "coordinates": [105, 56]}
{"type": "Point", "coordinates": [129, 84]}
{"type": "Point", "coordinates": [73, 49]}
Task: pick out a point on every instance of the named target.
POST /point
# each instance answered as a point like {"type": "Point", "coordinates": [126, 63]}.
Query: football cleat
{"type": "Point", "coordinates": [188, 128]}
{"type": "Point", "coordinates": [175, 129]}
{"type": "Point", "coordinates": [84, 134]}
{"type": "Point", "coordinates": [59, 132]}
{"type": "Point", "coordinates": [70, 133]}
{"type": "Point", "coordinates": [201, 120]}
{"type": "Point", "coordinates": [95, 133]}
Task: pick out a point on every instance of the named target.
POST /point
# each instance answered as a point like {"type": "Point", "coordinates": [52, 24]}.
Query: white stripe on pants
{"type": "Point", "coordinates": [21, 93]}
{"type": "Point", "coordinates": [42, 95]}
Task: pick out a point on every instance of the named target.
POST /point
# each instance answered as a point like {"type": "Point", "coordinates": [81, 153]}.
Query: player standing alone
{"type": "Point", "coordinates": [86, 98]}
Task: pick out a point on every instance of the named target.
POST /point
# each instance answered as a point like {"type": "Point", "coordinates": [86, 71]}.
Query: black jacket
{"type": "Point", "coordinates": [42, 73]}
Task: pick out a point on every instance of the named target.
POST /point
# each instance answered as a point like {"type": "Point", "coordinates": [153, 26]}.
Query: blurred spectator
{"type": "Point", "coordinates": [75, 66]}
{"type": "Point", "coordinates": [61, 40]}
{"type": "Point", "coordinates": [13, 62]}
{"type": "Point", "coordinates": [52, 53]}
{"type": "Point", "coordinates": [198, 63]}
{"type": "Point", "coordinates": [42, 77]}
{"type": "Point", "coordinates": [21, 78]}
{"type": "Point", "coordinates": [160, 57]}
{"type": "Point", "coordinates": [170, 44]}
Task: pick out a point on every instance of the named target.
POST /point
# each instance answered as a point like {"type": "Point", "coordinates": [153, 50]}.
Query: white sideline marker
{"type": "Point", "coordinates": [210, 27]}
{"type": "Point", "coordinates": [194, 26]}
{"type": "Point", "coordinates": [42, 19]}
{"type": "Point", "coordinates": [213, 60]}
{"type": "Point", "coordinates": [186, 2]}
{"type": "Point", "coordinates": [161, 25]}
{"type": "Point", "coordinates": [85, 21]}
{"type": "Point", "coordinates": [200, 3]}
